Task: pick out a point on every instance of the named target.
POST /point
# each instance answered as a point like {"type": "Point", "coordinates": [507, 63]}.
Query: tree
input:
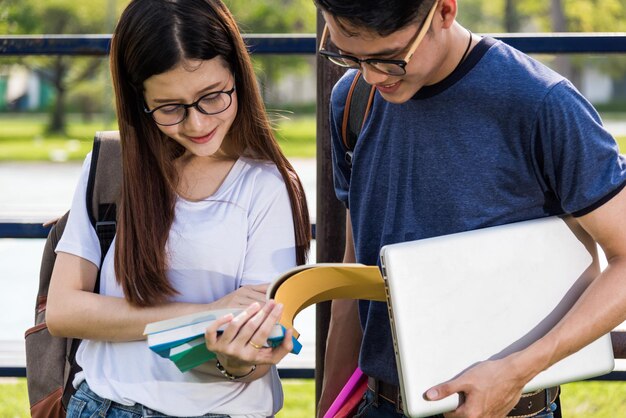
{"type": "Point", "coordinates": [511, 16]}
{"type": "Point", "coordinates": [57, 17]}
{"type": "Point", "coordinates": [580, 16]}
{"type": "Point", "coordinates": [275, 16]}
{"type": "Point", "coordinates": [483, 16]}
{"type": "Point", "coordinates": [552, 16]}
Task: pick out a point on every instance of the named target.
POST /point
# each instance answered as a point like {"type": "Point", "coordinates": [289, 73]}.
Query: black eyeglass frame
{"type": "Point", "coordinates": [195, 105]}
{"type": "Point", "coordinates": [372, 62]}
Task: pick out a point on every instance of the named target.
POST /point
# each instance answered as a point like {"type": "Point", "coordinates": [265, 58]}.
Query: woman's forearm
{"type": "Point", "coordinates": [97, 317]}
{"type": "Point", "coordinates": [73, 310]}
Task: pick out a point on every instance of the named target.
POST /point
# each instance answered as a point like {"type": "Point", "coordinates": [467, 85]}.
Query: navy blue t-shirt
{"type": "Point", "coordinates": [502, 139]}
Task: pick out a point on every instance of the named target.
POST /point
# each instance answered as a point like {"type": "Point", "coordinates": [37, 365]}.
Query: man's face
{"type": "Point", "coordinates": [423, 65]}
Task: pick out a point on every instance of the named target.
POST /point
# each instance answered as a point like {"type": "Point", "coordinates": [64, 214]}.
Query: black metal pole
{"type": "Point", "coordinates": [330, 223]}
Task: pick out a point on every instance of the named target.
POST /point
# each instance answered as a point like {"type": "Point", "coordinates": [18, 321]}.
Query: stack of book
{"type": "Point", "coordinates": [181, 339]}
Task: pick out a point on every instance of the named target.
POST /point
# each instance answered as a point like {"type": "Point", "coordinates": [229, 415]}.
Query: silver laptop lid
{"type": "Point", "coordinates": [459, 299]}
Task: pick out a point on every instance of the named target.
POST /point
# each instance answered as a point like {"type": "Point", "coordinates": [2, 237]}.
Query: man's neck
{"type": "Point", "coordinates": [456, 40]}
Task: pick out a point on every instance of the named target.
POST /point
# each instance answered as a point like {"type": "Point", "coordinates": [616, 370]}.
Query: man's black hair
{"type": "Point", "coordinates": [381, 16]}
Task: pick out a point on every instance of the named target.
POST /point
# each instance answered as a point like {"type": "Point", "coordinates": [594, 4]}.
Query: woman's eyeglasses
{"type": "Point", "coordinates": [210, 104]}
{"type": "Point", "coordinates": [391, 67]}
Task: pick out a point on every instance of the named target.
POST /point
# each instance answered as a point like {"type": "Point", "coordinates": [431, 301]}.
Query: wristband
{"type": "Point", "coordinates": [229, 376]}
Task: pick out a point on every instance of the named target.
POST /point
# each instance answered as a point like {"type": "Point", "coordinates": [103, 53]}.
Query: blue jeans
{"type": "Point", "coordinates": [85, 403]}
{"type": "Point", "coordinates": [385, 409]}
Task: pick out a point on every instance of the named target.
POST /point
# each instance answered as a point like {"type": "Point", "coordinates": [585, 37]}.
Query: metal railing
{"type": "Point", "coordinates": [534, 43]}
{"type": "Point", "coordinates": [98, 45]}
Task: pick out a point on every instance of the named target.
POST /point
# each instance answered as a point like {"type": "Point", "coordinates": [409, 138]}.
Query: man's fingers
{"type": "Point", "coordinates": [441, 391]}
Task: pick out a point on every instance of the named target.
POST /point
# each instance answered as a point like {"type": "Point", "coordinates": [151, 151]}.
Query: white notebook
{"type": "Point", "coordinates": [459, 299]}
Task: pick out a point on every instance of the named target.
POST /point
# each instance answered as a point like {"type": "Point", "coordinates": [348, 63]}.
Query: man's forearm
{"type": "Point", "coordinates": [342, 350]}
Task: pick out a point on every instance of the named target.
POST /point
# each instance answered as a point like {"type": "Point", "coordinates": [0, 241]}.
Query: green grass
{"type": "Point", "coordinates": [299, 399]}
{"type": "Point", "coordinates": [578, 400]}
{"type": "Point", "coordinates": [23, 137]}
{"type": "Point", "coordinates": [297, 136]}
{"type": "Point", "coordinates": [594, 400]}
{"type": "Point", "coordinates": [13, 398]}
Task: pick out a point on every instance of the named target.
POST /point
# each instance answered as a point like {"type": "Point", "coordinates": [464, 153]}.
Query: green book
{"type": "Point", "coordinates": [190, 354]}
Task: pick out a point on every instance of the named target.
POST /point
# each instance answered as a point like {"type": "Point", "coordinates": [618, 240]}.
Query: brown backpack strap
{"type": "Point", "coordinates": [358, 104]}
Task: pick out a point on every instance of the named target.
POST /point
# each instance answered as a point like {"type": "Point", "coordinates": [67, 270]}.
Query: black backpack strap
{"type": "Point", "coordinates": [103, 192]}
{"type": "Point", "coordinates": [103, 189]}
{"type": "Point", "coordinates": [358, 105]}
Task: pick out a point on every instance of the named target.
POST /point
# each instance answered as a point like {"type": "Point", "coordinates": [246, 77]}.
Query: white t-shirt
{"type": "Point", "coordinates": [241, 235]}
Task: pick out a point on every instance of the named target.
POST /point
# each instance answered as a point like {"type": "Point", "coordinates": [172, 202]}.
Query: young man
{"type": "Point", "coordinates": [464, 132]}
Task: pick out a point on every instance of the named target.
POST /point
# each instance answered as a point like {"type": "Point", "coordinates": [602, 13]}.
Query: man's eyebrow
{"type": "Point", "coordinates": [387, 52]}
{"type": "Point", "coordinates": [379, 54]}
{"type": "Point", "coordinates": [207, 89]}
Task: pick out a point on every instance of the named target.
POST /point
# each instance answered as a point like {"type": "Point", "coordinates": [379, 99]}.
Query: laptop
{"type": "Point", "coordinates": [459, 299]}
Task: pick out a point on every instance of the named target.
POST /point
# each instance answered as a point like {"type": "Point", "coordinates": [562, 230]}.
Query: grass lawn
{"type": "Point", "coordinates": [299, 398]}
{"type": "Point", "coordinates": [23, 137]}
{"type": "Point", "coordinates": [579, 400]}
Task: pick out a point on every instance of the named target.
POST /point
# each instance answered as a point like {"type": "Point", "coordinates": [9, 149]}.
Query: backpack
{"type": "Point", "coordinates": [50, 361]}
{"type": "Point", "coordinates": [358, 105]}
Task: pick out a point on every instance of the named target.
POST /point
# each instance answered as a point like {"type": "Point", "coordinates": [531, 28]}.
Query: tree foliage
{"type": "Point", "coordinates": [552, 16]}
{"type": "Point", "coordinates": [58, 17]}
{"type": "Point", "coordinates": [282, 16]}
{"type": "Point", "coordinates": [275, 16]}
{"type": "Point", "coordinates": [535, 15]}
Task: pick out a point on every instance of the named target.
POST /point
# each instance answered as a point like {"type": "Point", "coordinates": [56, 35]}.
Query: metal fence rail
{"type": "Point", "coordinates": [100, 44]}
{"type": "Point", "coordinates": [289, 44]}
{"type": "Point", "coordinates": [534, 43]}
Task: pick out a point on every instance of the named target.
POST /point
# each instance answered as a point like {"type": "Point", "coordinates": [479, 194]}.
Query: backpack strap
{"type": "Point", "coordinates": [103, 188]}
{"type": "Point", "coordinates": [103, 193]}
{"type": "Point", "coordinates": [358, 105]}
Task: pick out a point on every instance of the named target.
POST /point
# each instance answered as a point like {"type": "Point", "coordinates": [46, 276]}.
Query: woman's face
{"type": "Point", "coordinates": [205, 82]}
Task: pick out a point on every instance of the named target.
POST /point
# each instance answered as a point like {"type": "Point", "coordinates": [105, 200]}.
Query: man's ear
{"type": "Point", "coordinates": [446, 12]}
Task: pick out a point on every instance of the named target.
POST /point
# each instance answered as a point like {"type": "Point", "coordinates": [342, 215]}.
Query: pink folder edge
{"type": "Point", "coordinates": [345, 393]}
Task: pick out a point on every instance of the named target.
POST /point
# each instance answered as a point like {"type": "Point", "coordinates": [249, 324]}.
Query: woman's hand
{"type": "Point", "coordinates": [241, 345]}
{"type": "Point", "coordinates": [242, 297]}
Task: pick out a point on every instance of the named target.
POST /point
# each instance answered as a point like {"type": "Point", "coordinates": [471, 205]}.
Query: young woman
{"type": "Point", "coordinates": [210, 211]}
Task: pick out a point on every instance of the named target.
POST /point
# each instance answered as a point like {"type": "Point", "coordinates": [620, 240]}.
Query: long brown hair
{"type": "Point", "coordinates": [152, 37]}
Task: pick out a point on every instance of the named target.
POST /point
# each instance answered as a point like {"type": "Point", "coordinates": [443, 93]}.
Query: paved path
{"type": "Point", "coordinates": [616, 127]}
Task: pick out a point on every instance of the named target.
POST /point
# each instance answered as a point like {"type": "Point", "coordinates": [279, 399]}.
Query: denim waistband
{"type": "Point", "coordinates": [136, 408]}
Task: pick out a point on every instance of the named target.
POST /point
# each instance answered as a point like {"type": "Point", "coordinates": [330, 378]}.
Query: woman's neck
{"type": "Point", "coordinates": [200, 177]}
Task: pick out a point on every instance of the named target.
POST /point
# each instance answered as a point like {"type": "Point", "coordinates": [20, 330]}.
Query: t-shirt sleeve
{"type": "Point", "coordinates": [271, 239]}
{"type": "Point", "coordinates": [581, 163]}
{"type": "Point", "coordinates": [79, 237]}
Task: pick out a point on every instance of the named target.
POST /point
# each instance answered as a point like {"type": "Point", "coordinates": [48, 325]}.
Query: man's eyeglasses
{"type": "Point", "coordinates": [391, 67]}
{"type": "Point", "coordinates": [210, 104]}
